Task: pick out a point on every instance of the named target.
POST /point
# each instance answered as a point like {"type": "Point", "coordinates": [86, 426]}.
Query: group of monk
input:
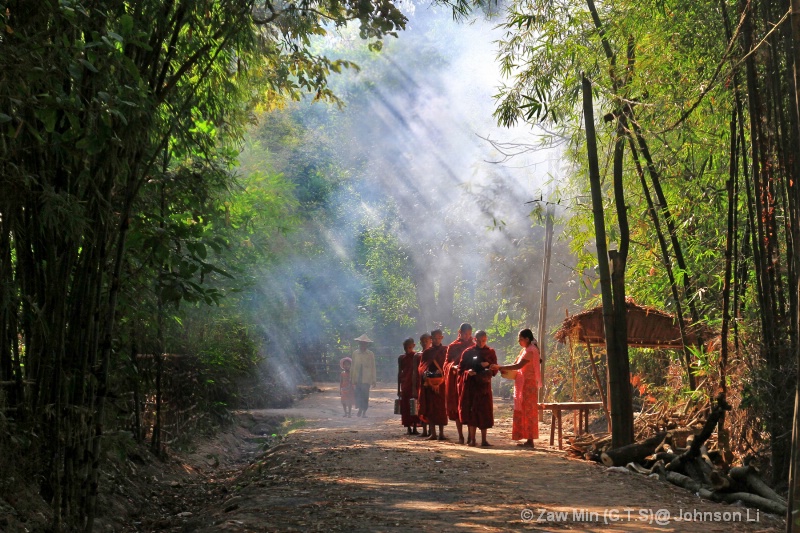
{"type": "Point", "coordinates": [454, 383]}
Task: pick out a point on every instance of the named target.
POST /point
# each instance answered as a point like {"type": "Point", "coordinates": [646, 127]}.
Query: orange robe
{"type": "Point", "coordinates": [526, 396]}
{"type": "Point", "coordinates": [432, 408]}
{"type": "Point", "coordinates": [476, 407]}
{"type": "Point", "coordinates": [453, 381]}
{"type": "Point", "coordinates": [346, 389]}
{"type": "Point", "coordinates": [408, 369]}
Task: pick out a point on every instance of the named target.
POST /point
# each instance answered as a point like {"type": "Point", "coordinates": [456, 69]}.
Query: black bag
{"type": "Point", "coordinates": [474, 363]}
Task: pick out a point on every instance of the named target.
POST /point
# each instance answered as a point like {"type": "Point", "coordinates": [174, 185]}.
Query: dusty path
{"type": "Point", "coordinates": [352, 474]}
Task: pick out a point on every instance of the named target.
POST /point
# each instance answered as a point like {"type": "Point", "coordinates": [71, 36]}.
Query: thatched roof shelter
{"type": "Point", "coordinates": [647, 328]}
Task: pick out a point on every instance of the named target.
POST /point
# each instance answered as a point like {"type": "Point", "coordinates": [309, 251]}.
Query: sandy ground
{"type": "Point", "coordinates": [351, 474]}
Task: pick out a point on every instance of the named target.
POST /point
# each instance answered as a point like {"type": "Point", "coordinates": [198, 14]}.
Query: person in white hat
{"type": "Point", "coordinates": [363, 374]}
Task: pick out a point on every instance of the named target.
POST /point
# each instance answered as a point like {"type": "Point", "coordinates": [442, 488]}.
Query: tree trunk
{"type": "Point", "coordinates": [426, 298]}
{"type": "Point", "coordinates": [726, 286]}
{"type": "Point", "coordinates": [619, 365]}
{"type": "Point", "coordinates": [632, 453]}
{"type": "Point", "coordinates": [621, 433]}
{"type": "Point", "coordinates": [446, 297]}
{"type": "Point", "coordinates": [793, 513]}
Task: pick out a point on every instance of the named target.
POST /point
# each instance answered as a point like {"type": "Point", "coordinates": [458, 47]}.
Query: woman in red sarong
{"type": "Point", "coordinates": [432, 409]}
{"type": "Point", "coordinates": [452, 383]}
{"type": "Point", "coordinates": [407, 378]}
{"type": "Point", "coordinates": [526, 390]}
{"type": "Point", "coordinates": [425, 343]}
{"type": "Point", "coordinates": [478, 365]}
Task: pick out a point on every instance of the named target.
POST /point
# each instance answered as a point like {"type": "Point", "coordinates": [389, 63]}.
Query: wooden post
{"type": "Point", "coordinates": [548, 250]}
{"type": "Point", "coordinates": [574, 386]}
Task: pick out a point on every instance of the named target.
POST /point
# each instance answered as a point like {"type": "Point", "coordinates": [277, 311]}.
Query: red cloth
{"type": "Point", "coordinates": [407, 371]}
{"type": "Point", "coordinates": [417, 358]}
{"type": "Point", "coordinates": [453, 383]}
{"type": "Point", "coordinates": [432, 409]}
{"type": "Point", "coordinates": [476, 407]}
{"type": "Point", "coordinates": [526, 396]}
{"type": "Point", "coordinates": [346, 389]}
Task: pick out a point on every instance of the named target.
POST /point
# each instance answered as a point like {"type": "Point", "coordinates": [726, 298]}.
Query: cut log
{"type": "Point", "coordinates": [749, 476]}
{"type": "Point", "coordinates": [665, 457]}
{"type": "Point", "coordinates": [632, 453]}
{"type": "Point", "coordinates": [665, 447]}
{"type": "Point", "coordinates": [750, 500]}
{"type": "Point", "coordinates": [719, 481]}
{"type": "Point", "coordinates": [694, 471]}
{"type": "Point", "coordinates": [707, 469]}
{"type": "Point", "coordinates": [683, 481]}
{"type": "Point", "coordinates": [741, 472]}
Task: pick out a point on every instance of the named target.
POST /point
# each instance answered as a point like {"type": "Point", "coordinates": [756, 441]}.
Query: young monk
{"type": "Point", "coordinates": [346, 390]}
{"type": "Point", "coordinates": [407, 378]}
{"type": "Point", "coordinates": [432, 410]}
{"type": "Point", "coordinates": [452, 383]}
{"type": "Point", "coordinates": [476, 408]}
{"type": "Point", "coordinates": [425, 342]}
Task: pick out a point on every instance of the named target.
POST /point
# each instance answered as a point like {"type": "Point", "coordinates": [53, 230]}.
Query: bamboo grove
{"type": "Point", "coordinates": [698, 148]}
{"type": "Point", "coordinates": [108, 111]}
{"type": "Point", "coordinates": [121, 121]}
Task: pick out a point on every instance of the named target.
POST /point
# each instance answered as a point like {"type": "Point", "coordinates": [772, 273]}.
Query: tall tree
{"type": "Point", "coordinates": [619, 375]}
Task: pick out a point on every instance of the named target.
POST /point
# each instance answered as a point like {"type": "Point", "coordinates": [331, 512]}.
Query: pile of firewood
{"type": "Point", "coordinates": [684, 456]}
{"type": "Point", "coordinates": [680, 418]}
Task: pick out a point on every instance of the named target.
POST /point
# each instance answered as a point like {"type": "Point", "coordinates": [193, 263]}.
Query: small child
{"type": "Point", "coordinates": [346, 389]}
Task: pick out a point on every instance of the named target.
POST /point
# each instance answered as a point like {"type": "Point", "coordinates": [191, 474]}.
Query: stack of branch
{"type": "Point", "coordinates": [589, 446]}
{"type": "Point", "coordinates": [696, 467]}
{"type": "Point", "coordinates": [681, 421]}
{"type": "Point", "coordinates": [662, 416]}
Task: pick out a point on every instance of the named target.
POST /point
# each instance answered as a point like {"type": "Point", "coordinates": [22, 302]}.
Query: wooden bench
{"type": "Point", "coordinates": [583, 409]}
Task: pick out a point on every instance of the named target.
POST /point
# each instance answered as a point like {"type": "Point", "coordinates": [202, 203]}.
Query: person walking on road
{"type": "Point", "coordinates": [363, 374]}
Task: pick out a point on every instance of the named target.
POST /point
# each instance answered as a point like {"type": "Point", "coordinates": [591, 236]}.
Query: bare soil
{"type": "Point", "coordinates": [333, 473]}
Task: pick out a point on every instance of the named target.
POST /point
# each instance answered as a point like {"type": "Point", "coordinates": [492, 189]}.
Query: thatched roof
{"type": "Point", "coordinates": [647, 328]}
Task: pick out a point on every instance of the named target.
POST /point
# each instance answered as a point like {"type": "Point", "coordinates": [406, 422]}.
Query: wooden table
{"type": "Point", "coordinates": [583, 409]}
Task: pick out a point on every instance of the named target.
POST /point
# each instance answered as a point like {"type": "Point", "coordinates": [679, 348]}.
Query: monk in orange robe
{"type": "Point", "coordinates": [432, 409]}
{"type": "Point", "coordinates": [477, 366]}
{"type": "Point", "coordinates": [407, 377]}
{"type": "Point", "coordinates": [425, 342]}
{"type": "Point", "coordinates": [452, 382]}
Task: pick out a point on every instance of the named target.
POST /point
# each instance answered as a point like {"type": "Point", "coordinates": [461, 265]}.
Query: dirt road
{"type": "Point", "coordinates": [352, 474]}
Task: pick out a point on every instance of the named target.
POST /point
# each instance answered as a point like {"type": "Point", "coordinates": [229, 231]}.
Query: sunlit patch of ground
{"type": "Point", "coordinates": [350, 474]}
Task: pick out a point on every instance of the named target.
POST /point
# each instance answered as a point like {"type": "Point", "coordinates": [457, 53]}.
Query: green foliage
{"type": "Point", "coordinates": [544, 55]}
{"type": "Point", "coordinates": [119, 130]}
{"type": "Point", "coordinates": [669, 66]}
{"type": "Point", "coordinates": [391, 300]}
